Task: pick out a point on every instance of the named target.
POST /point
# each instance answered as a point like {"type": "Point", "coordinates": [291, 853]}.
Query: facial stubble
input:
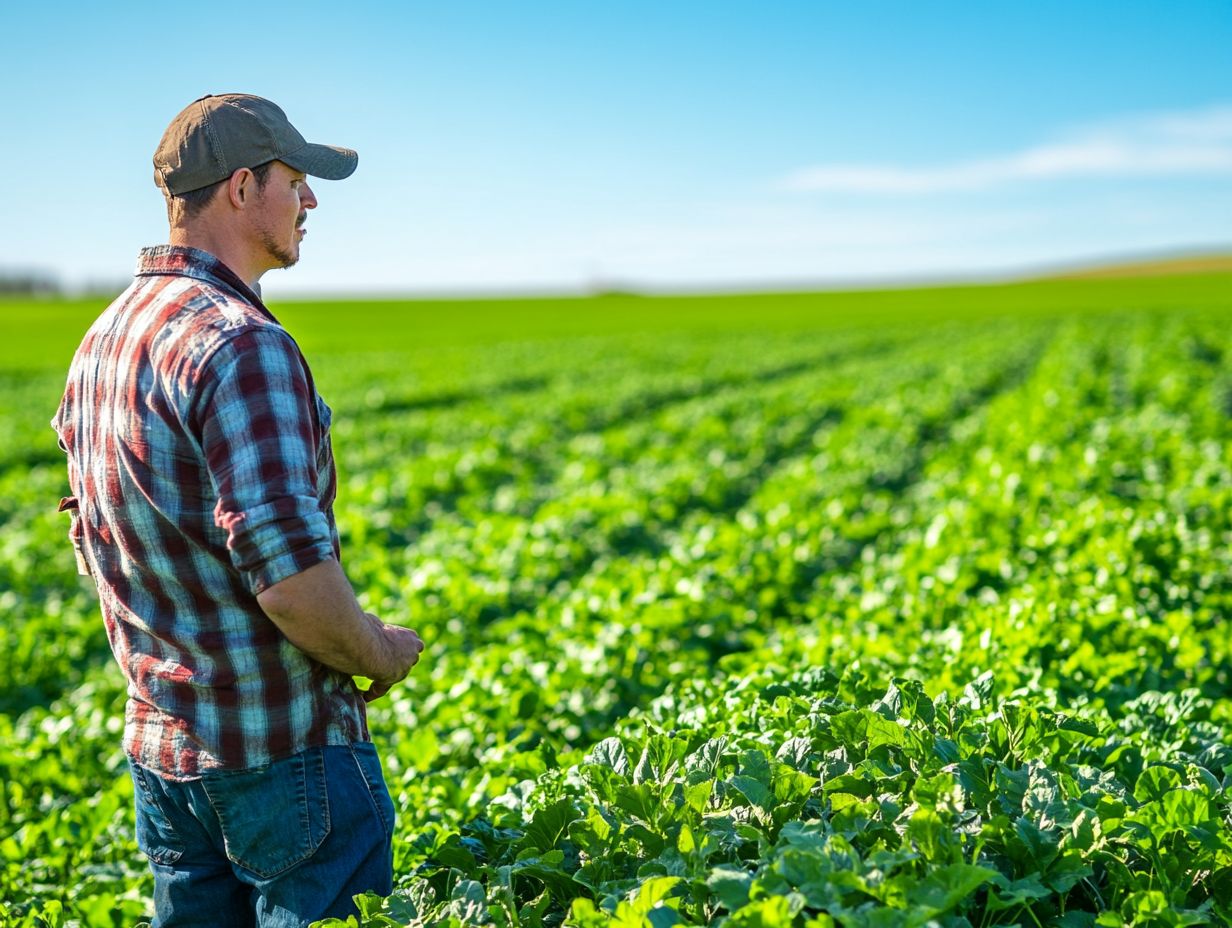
{"type": "Point", "coordinates": [280, 253]}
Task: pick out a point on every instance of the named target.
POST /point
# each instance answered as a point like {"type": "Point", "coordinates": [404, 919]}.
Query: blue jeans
{"type": "Point", "coordinates": [279, 845]}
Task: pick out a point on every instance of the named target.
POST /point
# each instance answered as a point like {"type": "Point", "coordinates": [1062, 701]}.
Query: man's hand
{"type": "Point", "coordinates": [316, 609]}
{"type": "Point", "coordinates": [374, 692]}
{"type": "Point", "coordinates": [404, 647]}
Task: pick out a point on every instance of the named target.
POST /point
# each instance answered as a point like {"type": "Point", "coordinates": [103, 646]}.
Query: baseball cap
{"type": "Point", "coordinates": [218, 134]}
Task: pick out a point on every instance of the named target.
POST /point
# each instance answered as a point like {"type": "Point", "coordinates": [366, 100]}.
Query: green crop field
{"type": "Point", "coordinates": [882, 608]}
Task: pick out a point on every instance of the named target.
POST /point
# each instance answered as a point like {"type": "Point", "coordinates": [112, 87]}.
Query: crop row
{"type": "Point", "coordinates": [1078, 792]}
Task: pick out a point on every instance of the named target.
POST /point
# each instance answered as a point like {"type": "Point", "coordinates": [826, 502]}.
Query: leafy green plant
{"type": "Point", "coordinates": [899, 608]}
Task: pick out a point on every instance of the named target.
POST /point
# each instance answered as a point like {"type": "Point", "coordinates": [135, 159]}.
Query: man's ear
{"type": "Point", "coordinates": [240, 187]}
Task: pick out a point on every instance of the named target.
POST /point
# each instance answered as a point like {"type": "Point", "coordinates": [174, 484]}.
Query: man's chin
{"type": "Point", "coordinates": [285, 259]}
{"type": "Point", "coordinates": [282, 257]}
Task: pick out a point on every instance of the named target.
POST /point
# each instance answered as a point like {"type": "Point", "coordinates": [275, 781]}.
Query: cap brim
{"type": "Point", "coordinates": [323, 161]}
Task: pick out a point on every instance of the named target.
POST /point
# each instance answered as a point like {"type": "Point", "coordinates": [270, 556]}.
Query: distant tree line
{"type": "Point", "coordinates": [34, 283]}
{"type": "Point", "coordinates": [28, 283]}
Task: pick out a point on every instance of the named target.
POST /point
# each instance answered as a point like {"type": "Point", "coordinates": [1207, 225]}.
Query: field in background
{"type": "Point", "coordinates": [886, 607]}
{"type": "Point", "coordinates": [1208, 263]}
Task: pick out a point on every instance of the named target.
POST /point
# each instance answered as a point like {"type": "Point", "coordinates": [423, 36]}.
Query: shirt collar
{"type": "Point", "coordinates": [182, 261]}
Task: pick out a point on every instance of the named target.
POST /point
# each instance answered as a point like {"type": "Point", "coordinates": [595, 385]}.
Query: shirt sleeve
{"type": "Point", "coordinates": [259, 434]}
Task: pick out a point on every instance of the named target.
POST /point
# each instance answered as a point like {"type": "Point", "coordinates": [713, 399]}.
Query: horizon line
{"type": "Point", "coordinates": [1018, 273]}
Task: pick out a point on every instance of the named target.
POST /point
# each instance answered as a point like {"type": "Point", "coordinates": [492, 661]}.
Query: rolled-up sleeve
{"type": "Point", "coordinates": [259, 433]}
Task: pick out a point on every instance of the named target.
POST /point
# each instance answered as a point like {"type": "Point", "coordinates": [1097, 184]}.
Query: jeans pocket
{"type": "Point", "coordinates": [272, 817]}
{"type": "Point", "coordinates": [370, 768]}
{"type": "Point", "coordinates": [156, 836]}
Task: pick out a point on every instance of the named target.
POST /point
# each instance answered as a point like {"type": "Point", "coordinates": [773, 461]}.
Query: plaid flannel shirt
{"type": "Point", "coordinates": [201, 470]}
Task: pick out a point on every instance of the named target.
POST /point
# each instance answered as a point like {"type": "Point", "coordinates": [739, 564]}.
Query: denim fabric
{"type": "Point", "coordinates": [276, 846]}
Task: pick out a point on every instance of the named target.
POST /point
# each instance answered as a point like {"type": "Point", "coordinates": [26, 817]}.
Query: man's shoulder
{"type": "Point", "coordinates": [196, 319]}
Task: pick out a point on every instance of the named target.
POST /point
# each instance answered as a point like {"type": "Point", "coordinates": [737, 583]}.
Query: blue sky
{"type": "Point", "coordinates": [557, 146]}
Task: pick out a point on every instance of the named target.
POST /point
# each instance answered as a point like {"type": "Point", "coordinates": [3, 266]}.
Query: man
{"type": "Point", "coordinates": [203, 481]}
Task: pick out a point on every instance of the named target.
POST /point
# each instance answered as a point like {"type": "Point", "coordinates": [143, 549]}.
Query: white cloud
{"type": "Point", "coordinates": [1172, 144]}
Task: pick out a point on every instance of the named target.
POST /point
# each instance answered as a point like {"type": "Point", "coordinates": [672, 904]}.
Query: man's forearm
{"type": "Point", "coordinates": [316, 609]}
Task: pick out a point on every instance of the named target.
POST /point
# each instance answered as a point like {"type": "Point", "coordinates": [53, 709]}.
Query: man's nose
{"type": "Point", "coordinates": [307, 199]}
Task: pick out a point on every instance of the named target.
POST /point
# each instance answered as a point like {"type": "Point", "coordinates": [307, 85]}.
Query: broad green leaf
{"type": "Point", "coordinates": [591, 833]}
{"type": "Point", "coordinates": [1018, 893]}
{"type": "Point", "coordinates": [771, 912]}
{"type": "Point", "coordinates": [811, 835]}
{"type": "Point", "coordinates": [1076, 920]}
{"type": "Point", "coordinates": [652, 892]}
{"type": "Point", "coordinates": [791, 786]}
{"type": "Point", "coordinates": [1154, 782]}
{"type": "Point", "coordinates": [756, 765]}
{"type": "Point", "coordinates": [549, 825]}
{"type": "Point", "coordinates": [814, 876]}
{"type": "Point", "coordinates": [755, 791]}
{"type": "Point", "coordinates": [849, 783]}
{"type": "Point", "coordinates": [1079, 726]}
{"type": "Point", "coordinates": [1038, 848]}
{"type": "Point", "coordinates": [697, 795]}
{"type": "Point", "coordinates": [584, 914]}
{"type": "Point", "coordinates": [1183, 808]}
{"type": "Point", "coordinates": [705, 760]}
{"type": "Point", "coordinates": [610, 752]}
{"type": "Point", "coordinates": [932, 835]}
{"type": "Point", "coordinates": [730, 885]}
{"type": "Point", "coordinates": [796, 752]}
{"type": "Point", "coordinates": [882, 731]}
{"type": "Point", "coordinates": [642, 801]}
{"type": "Point", "coordinates": [548, 870]}
{"type": "Point", "coordinates": [467, 903]}
{"type": "Point", "coordinates": [685, 842]}
{"type": "Point", "coordinates": [849, 728]}
{"type": "Point", "coordinates": [943, 888]}
{"type": "Point", "coordinates": [978, 693]}
{"type": "Point", "coordinates": [890, 706]}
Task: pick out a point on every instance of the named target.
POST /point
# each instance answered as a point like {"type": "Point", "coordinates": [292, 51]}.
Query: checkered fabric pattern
{"type": "Point", "coordinates": [201, 471]}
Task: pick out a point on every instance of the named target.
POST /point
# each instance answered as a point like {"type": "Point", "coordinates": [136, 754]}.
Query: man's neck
{"type": "Point", "coordinates": [226, 248]}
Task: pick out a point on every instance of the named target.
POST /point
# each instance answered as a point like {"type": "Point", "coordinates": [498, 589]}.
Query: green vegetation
{"type": "Point", "coordinates": [860, 609]}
